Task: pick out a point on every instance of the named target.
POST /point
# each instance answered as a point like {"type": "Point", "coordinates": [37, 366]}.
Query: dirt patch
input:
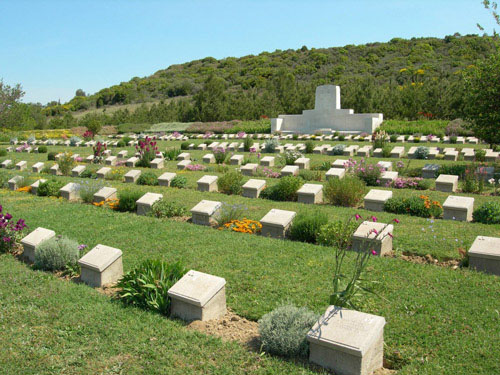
{"type": "Point", "coordinates": [230, 327]}
{"type": "Point", "coordinates": [428, 259]}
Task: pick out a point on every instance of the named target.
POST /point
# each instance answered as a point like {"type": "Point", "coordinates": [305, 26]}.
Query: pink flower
{"type": "Point", "coordinates": [396, 221]}
{"type": "Point", "coordinates": [357, 217]}
{"type": "Point", "coordinates": [374, 252]}
{"type": "Point", "coordinates": [374, 219]}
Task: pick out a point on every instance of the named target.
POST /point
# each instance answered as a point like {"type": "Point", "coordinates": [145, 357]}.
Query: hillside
{"type": "Point", "coordinates": [401, 78]}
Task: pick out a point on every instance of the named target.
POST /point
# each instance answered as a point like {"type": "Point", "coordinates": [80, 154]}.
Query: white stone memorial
{"type": "Point", "coordinates": [375, 199]}
{"type": "Point", "coordinates": [15, 182]}
{"type": "Point", "coordinates": [310, 194]}
{"type": "Point", "coordinates": [70, 191]}
{"type": "Point", "coordinates": [204, 212]}
{"type": "Point", "coordinates": [236, 159]}
{"type": "Point", "coordinates": [339, 163]}
{"type": "Point", "coordinates": [104, 193]}
{"type": "Point", "coordinates": [373, 236]}
{"type": "Point", "coordinates": [37, 167]}
{"type": "Point", "coordinates": [77, 171]}
{"type": "Point", "coordinates": [111, 160]}
{"type": "Point", "coordinates": [166, 178]}
{"type": "Point", "coordinates": [249, 169]}
{"type": "Point", "coordinates": [183, 164]}
{"type": "Point", "coordinates": [484, 255]}
{"type": "Point", "coordinates": [209, 158]}
{"type": "Point", "coordinates": [458, 208]}
{"type": "Point", "coordinates": [35, 185]}
{"type": "Point", "coordinates": [6, 163]}
{"type": "Point", "coordinates": [335, 173]}
{"type": "Point", "coordinates": [208, 183]}
{"type": "Point", "coordinates": [132, 162]}
{"type": "Point", "coordinates": [157, 163]}
{"type": "Point", "coordinates": [184, 156]}
{"type": "Point", "coordinates": [267, 161]}
{"type": "Point", "coordinates": [302, 163]}
{"type": "Point", "coordinates": [290, 170]}
{"type": "Point", "coordinates": [132, 176]}
{"type": "Point", "coordinates": [276, 223]}
{"type": "Point", "coordinates": [252, 188]}
{"type": "Point", "coordinates": [102, 173]}
{"type": "Point", "coordinates": [22, 165]}
{"type": "Point", "coordinates": [447, 183]}
{"type": "Point", "coordinates": [327, 115]}
{"type": "Point", "coordinates": [101, 266]}
{"type": "Point", "coordinates": [32, 240]}
{"type": "Point", "coordinates": [198, 296]}
{"type": "Point", "coordinates": [145, 203]}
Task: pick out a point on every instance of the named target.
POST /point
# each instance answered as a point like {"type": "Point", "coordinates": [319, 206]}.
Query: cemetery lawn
{"type": "Point", "coordinates": [439, 320]}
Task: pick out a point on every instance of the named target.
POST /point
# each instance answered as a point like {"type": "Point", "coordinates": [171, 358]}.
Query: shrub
{"type": "Point", "coordinates": [220, 155]}
{"type": "Point", "coordinates": [309, 147]}
{"type": "Point", "coordinates": [347, 192]}
{"type": "Point", "coordinates": [66, 163]}
{"type": "Point", "coordinates": [473, 180]}
{"type": "Point", "coordinates": [54, 254]}
{"type": "Point", "coordinates": [74, 140]}
{"type": "Point", "coordinates": [171, 154]}
{"type": "Point", "coordinates": [50, 188]}
{"type": "Point", "coordinates": [247, 144]}
{"type": "Point", "coordinates": [89, 173]}
{"type": "Point", "coordinates": [417, 183]}
{"type": "Point", "coordinates": [3, 152]}
{"type": "Point", "coordinates": [185, 145]}
{"type": "Point", "coordinates": [308, 175]}
{"type": "Point", "coordinates": [338, 149]}
{"type": "Point", "coordinates": [488, 213]}
{"type": "Point", "coordinates": [380, 138]}
{"type": "Point", "coordinates": [337, 233]}
{"type": "Point", "coordinates": [284, 190]}
{"type": "Point", "coordinates": [421, 152]}
{"type": "Point", "coordinates": [414, 206]}
{"type": "Point", "coordinates": [341, 137]}
{"type": "Point", "coordinates": [127, 200]}
{"type": "Point", "coordinates": [230, 183]}
{"type": "Point", "coordinates": [369, 173]}
{"type": "Point", "coordinates": [291, 156]}
{"type": "Point", "coordinates": [270, 145]}
{"type": "Point", "coordinates": [480, 155]}
{"type": "Point", "coordinates": [295, 136]}
{"type": "Point", "coordinates": [394, 138]}
{"type": "Point", "coordinates": [147, 285]}
{"type": "Point", "coordinates": [10, 232]}
{"type": "Point", "coordinates": [51, 156]}
{"type": "Point", "coordinates": [147, 151]}
{"type": "Point", "coordinates": [148, 178]}
{"type": "Point", "coordinates": [88, 189]}
{"type": "Point", "coordinates": [42, 149]}
{"type": "Point", "coordinates": [453, 139]}
{"type": "Point", "coordinates": [229, 213]}
{"type": "Point", "coordinates": [283, 331]}
{"type": "Point", "coordinates": [163, 209]}
{"type": "Point", "coordinates": [121, 143]}
{"type": "Point", "coordinates": [453, 169]}
{"type": "Point", "coordinates": [386, 151]}
{"type": "Point", "coordinates": [179, 182]}
{"type": "Point", "coordinates": [306, 226]}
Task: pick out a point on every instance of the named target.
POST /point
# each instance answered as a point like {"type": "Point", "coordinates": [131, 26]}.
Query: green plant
{"type": "Point", "coordinates": [291, 156]}
{"type": "Point", "coordinates": [487, 213]}
{"type": "Point", "coordinates": [270, 145]}
{"type": "Point", "coordinates": [220, 155]}
{"type": "Point", "coordinates": [421, 152]}
{"type": "Point", "coordinates": [337, 233]}
{"type": "Point", "coordinates": [121, 143]}
{"type": "Point", "coordinates": [3, 152]}
{"type": "Point", "coordinates": [338, 150]}
{"type": "Point", "coordinates": [309, 147]}
{"type": "Point", "coordinates": [148, 178]}
{"type": "Point", "coordinates": [89, 173]}
{"type": "Point", "coordinates": [283, 331]}
{"type": "Point", "coordinates": [453, 139]}
{"type": "Point", "coordinates": [247, 144]}
{"type": "Point", "coordinates": [165, 209]}
{"type": "Point", "coordinates": [42, 149]}
{"type": "Point", "coordinates": [228, 213]}
{"type": "Point", "coordinates": [50, 188]}
{"type": "Point", "coordinates": [284, 190]}
{"type": "Point", "coordinates": [306, 226]}
{"type": "Point", "coordinates": [480, 155]}
{"type": "Point", "coordinates": [473, 180]}
{"type": "Point", "coordinates": [51, 156]}
{"type": "Point", "coordinates": [147, 285]}
{"type": "Point", "coordinates": [394, 138]}
{"type": "Point", "coordinates": [341, 137]}
{"type": "Point", "coordinates": [386, 151]}
{"type": "Point", "coordinates": [66, 163]}
{"type": "Point", "coordinates": [230, 183]}
{"type": "Point", "coordinates": [179, 182]}
{"type": "Point", "coordinates": [309, 175]}
{"type": "Point", "coordinates": [415, 206]}
{"type": "Point", "coordinates": [127, 200]}
{"type": "Point", "coordinates": [347, 192]}
{"type": "Point", "coordinates": [88, 189]}
{"type": "Point", "coordinates": [171, 154]}
{"type": "Point", "coordinates": [54, 254]}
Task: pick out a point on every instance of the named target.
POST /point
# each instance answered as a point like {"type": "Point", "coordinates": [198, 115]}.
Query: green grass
{"type": "Point", "coordinates": [439, 320]}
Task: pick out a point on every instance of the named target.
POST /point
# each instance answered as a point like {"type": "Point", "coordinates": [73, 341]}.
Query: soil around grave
{"type": "Point", "coordinates": [428, 259]}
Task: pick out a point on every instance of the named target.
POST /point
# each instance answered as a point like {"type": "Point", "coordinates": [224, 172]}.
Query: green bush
{"type": "Point", "coordinates": [179, 182]}
{"type": "Point", "coordinates": [66, 163]}
{"type": "Point", "coordinates": [453, 169]}
{"type": "Point", "coordinates": [247, 144]}
{"type": "Point", "coordinates": [453, 139]}
{"type": "Point", "coordinates": [341, 137]}
{"type": "Point", "coordinates": [306, 226]}
{"type": "Point", "coordinates": [228, 213]}
{"type": "Point", "coordinates": [347, 192]}
{"type": "Point", "coordinates": [54, 254]}
{"type": "Point", "coordinates": [88, 189]}
{"type": "Point", "coordinates": [394, 138]}
{"type": "Point", "coordinates": [488, 213]}
{"type": "Point", "coordinates": [51, 156]}
{"type": "Point", "coordinates": [147, 285]}
{"type": "Point", "coordinates": [414, 206]}
{"type": "Point", "coordinates": [171, 154]}
{"type": "Point", "coordinates": [480, 155]}
{"type": "Point", "coordinates": [185, 145]}
{"type": "Point", "coordinates": [283, 331]}
{"type": "Point", "coordinates": [3, 152]}
{"type": "Point", "coordinates": [309, 147]}
{"type": "Point", "coordinates": [148, 178]}
{"type": "Point", "coordinates": [127, 200]}
{"type": "Point", "coordinates": [309, 175]}
{"type": "Point", "coordinates": [270, 145]}
{"type": "Point", "coordinates": [50, 188]}
{"type": "Point", "coordinates": [424, 184]}
{"type": "Point", "coordinates": [164, 209]}
{"type": "Point", "coordinates": [230, 183]}
{"type": "Point", "coordinates": [284, 190]}
{"type": "Point", "coordinates": [291, 156]}
{"type": "Point", "coordinates": [42, 149]}
{"type": "Point", "coordinates": [338, 150]}
{"type": "Point", "coordinates": [386, 151]}
{"type": "Point", "coordinates": [337, 234]}
{"type": "Point", "coordinates": [121, 143]}
{"type": "Point", "coordinates": [421, 152]}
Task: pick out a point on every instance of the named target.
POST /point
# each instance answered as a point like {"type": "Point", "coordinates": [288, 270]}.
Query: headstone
{"type": "Point", "coordinates": [267, 161]}
{"type": "Point", "coordinates": [89, 159]}
{"type": "Point", "coordinates": [14, 182]}
{"type": "Point", "coordinates": [484, 255]}
{"type": "Point", "coordinates": [276, 223]}
{"type": "Point", "coordinates": [290, 170]}
{"type": "Point", "coordinates": [183, 164]}
{"type": "Point", "coordinates": [302, 163]}
{"type": "Point", "coordinates": [430, 170]}
{"type": "Point", "coordinates": [37, 167]}
{"type": "Point", "coordinates": [208, 183]}
{"type": "Point", "coordinates": [335, 173]}
{"type": "Point", "coordinates": [387, 165]}
{"type": "Point", "coordinates": [458, 208]}
{"type": "Point", "coordinates": [157, 163]}
{"type": "Point", "coordinates": [145, 203]}
{"type": "Point", "coordinates": [373, 236]}
{"type": "Point", "coordinates": [132, 162]}
{"type": "Point", "coordinates": [236, 159]}
{"type": "Point", "coordinates": [375, 199]}
{"type": "Point", "coordinates": [22, 165]}
{"type": "Point", "coordinates": [35, 185]}
{"type": "Point", "coordinates": [6, 163]}
{"type": "Point", "coordinates": [111, 160]}
{"type": "Point", "coordinates": [198, 296]}
{"type": "Point", "coordinates": [54, 170]}
{"type": "Point", "coordinates": [104, 193]}
{"type": "Point", "coordinates": [77, 171]}
{"type": "Point", "coordinates": [310, 194]}
{"type": "Point", "coordinates": [32, 240]}
{"type": "Point", "coordinates": [252, 188]}
{"type": "Point", "coordinates": [339, 163]}
{"type": "Point", "coordinates": [249, 169]}
{"type": "Point", "coordinates": [201, 146]}
{"type": "Point", "coordinates": [204, 212]}
{"type": "Point", "coordinates": [347, 341]}
{"type": "Point", "coordinates": [451, 155]}
{"type": "Point", "coordinates": [388, 177]}
{"type": "Point", "coordinates": [397, 152]}
{"type": "Point", "coordinates": [70, 191]}
{"type": "Point", "coordinates": [184, 156]}
{"type": "Point", "coordinates": [102, 173]}
{"type": "Point", "coordinates": [209, 158]}
{"type": "Point", "coordinates": [123, 154]}
{"type": "Point", "coordinates": [101, 266]}
{"type": "Point", "coordinates": [447, 183]}
{"type": "Point", "coordinates": [132, 176]}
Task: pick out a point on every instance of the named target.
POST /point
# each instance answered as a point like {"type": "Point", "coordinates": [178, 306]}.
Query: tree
{"type": "Point", "coordinates": [482, 102]}
{"type": "Point", "coordinates": [9, 98]}
{"type": "Point", "coordinates": [211, 101]}
{"type": "Point", "coordinates": [80, 92]}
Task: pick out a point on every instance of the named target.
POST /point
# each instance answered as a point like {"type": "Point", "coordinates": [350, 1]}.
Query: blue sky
{"type": "Point", "coordinates": [55, 47]}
